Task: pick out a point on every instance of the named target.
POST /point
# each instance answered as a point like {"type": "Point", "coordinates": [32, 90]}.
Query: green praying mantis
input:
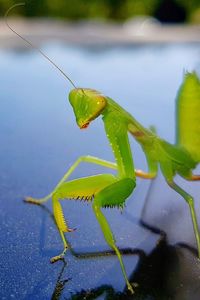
{"type": "Point", "coordinates": [107, 190]}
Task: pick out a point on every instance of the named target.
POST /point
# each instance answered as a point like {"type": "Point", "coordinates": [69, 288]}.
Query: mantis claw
{"type": "Point", "coordinates": [58, 257]}
{"type": "Point", "coordinates": [130, 288]}
{"type": "Point", "coordinates": [71, 229]}
{"type": "Point", "coordinates": [37, 201]}
{"type": "Point", "coordinates": [31, 200]}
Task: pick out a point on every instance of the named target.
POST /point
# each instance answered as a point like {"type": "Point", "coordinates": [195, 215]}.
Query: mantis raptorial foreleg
{"type": "Point", "coordinates": [94, 160]}
{"type": "Point", "coordinates": [79, 189]}
{"type": "Point", "coordinates": [106, 190]}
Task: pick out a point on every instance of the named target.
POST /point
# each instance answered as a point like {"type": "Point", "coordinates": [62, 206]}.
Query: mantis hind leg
{"type": "Point", "coordinates": [190, 201]}
{"type": "Point", "coordinates": [168, 174]}
{"type": "Point", "coordinates": [113, 195]}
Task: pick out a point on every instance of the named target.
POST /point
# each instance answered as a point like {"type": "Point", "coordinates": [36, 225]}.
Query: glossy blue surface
{"type": "Point", "coordinates": [40, 140]}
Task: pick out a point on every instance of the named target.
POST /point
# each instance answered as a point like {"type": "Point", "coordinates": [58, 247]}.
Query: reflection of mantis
{"type": "Point", "coordinates": [106, 190]}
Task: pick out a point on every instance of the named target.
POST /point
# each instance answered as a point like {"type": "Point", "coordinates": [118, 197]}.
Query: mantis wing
{"type": "Point", "coordinates": [188, 115]}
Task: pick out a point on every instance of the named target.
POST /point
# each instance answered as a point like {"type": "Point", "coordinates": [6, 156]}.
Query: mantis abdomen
{"type": "Point", "coordinates": [188, 115]}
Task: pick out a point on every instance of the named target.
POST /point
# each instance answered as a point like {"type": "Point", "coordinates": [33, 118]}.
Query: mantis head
{"type": "Point", "coordinates": [87, 105]}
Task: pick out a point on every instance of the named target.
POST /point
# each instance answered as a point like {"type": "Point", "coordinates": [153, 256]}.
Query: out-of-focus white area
{"type": "Point", "coordinates": [141, 26]}
{"type": "Point", "coordinates": [137, 30]}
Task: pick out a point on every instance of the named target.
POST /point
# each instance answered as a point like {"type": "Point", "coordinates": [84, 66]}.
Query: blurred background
{"type": "Point", "coordinates": [103, 21]}
{"type": "Point", "coordinates": [163, 10]}
{"type": "Point", "coordinates": [136, 52]}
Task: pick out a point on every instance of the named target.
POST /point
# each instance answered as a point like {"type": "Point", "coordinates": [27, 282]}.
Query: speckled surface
{"type": "Point", "coordinates": [40, 140]}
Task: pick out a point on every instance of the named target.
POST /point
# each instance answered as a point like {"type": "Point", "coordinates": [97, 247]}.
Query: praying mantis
{"type": "Point", "coordinates": [108, 190]}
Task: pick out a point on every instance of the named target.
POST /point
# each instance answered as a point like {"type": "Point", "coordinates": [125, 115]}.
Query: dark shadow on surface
{"type": "Point", "coordinates": [159, 275]}
{"type": "Point", "coordinates": [156, 277]}
{"type": "Point", "coordinates": [60, 284]}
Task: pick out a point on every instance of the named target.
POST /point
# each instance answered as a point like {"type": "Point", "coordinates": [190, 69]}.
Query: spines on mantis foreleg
{"type": "Point", "coordinates": [188, 115]}
{"type": "Point", "coordinates": [84, 188]}
{"type": "Point", "coordinates": [58, 214]}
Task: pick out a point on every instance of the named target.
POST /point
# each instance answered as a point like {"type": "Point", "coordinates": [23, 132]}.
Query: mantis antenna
{"type": "Point", "coordinates": [32, 45]}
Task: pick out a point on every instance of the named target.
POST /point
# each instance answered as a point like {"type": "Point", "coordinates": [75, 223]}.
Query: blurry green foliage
{"type": "Point", "coordinates": [104, 9]}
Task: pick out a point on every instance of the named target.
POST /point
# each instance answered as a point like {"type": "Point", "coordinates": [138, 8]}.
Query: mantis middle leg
{"type": "Point", "coordinates": [87, 158]}
{"type": "Point", "coordinates": [193, 177]}
{"type": "Point", "coordinates": [95, 160]}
